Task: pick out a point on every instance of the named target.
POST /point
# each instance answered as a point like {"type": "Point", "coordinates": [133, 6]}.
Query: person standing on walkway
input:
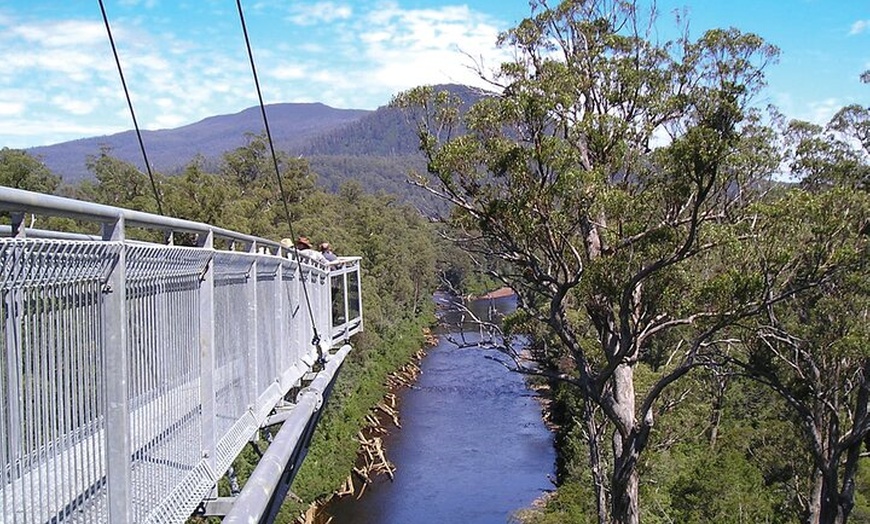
{"type": "Point", "coordinates": [327, 253]}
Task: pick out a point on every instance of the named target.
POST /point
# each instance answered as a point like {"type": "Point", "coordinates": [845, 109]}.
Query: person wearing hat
{"type": "Point", "coordinates": [305, 248]}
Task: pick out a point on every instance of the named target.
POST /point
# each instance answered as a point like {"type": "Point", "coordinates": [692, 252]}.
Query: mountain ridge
{"type": "Point", "coordinates": [169, 150]}
{"type": "Point", "coordinates": [378, 147]}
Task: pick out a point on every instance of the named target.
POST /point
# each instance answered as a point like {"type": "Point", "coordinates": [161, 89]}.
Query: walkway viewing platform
{"type": "Point", "coordinates": [133, 373]}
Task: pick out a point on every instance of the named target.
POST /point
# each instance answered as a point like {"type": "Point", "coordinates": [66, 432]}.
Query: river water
{"type": "Point", "coordinates": [472, 448]}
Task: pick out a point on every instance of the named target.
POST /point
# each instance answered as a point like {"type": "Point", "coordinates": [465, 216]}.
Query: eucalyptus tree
{"type": "Point", "coordinates": [196, 194]}
{"type": "Point", "coordinates": [118, 183]}
{"type": "Point", "coordinates": [835, 155]}
{"type": "Point", "coordinates": [260, 206]}
{"type": "Point", "coordinates": [21, 170]}
{"type": "Point", "coordinates": [603, 172]}
{"type": "Point", "coordinates": [812, 349]}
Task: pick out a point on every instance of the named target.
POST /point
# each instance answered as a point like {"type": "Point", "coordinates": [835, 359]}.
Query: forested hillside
{"type": "Point", "coordinates": [377, 148]}
{"type": "Point", "coordinates": [380, 151]}
{"type": "Point", "coordinates": [169, 150]}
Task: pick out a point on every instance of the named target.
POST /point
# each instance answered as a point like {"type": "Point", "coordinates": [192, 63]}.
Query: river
{"type": "Point", "coordinates": [472, 448]}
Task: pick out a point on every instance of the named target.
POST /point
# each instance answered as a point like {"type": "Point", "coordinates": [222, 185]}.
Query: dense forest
{"type": "Point", "coordinates": [693, 269]}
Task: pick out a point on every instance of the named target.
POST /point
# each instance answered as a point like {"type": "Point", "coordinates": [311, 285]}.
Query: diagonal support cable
{"type": "Point", "coordinates": [316, 340]}
{"type": "Point", "coordinates": [132, 113]}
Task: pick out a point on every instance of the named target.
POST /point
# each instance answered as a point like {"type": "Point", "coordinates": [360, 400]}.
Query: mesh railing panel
{"type": "Point", "coordinates": [163, 318]}
{"type": "Point", "coordinates": [269, 301]}
{"type": "Point", "coordinates": [51, 379]}
{"type": "Point", "coordinates": [234, 326]}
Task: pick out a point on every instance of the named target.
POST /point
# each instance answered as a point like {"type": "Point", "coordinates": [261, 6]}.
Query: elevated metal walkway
{"type": "Point", "coordinates": [133, 373]}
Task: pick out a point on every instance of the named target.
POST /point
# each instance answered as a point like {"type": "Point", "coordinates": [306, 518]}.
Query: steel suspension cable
{"type": "Point", "coordinates": [316, 340]}
{"type": "Point", "coordinates": [132, 113]}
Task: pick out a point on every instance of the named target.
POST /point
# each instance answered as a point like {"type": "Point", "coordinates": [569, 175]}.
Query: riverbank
{"type": "Point", "coordinates": [372, 461]}
{"type": "Point", "coordinates": [330, 478]}
{"type": "Point", "coordinates": [472, 445]}
{"type": "Point", "coordinates": [502, 292]}
{"type": "Point", "coordinates": [362, 384]}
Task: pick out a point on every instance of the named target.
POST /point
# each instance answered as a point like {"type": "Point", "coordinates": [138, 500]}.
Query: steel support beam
{"type": "Point", "coordinates": [258, 493]}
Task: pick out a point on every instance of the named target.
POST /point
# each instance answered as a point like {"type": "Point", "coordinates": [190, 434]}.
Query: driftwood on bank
{"type": "Point", "coordinates": [371, 459]}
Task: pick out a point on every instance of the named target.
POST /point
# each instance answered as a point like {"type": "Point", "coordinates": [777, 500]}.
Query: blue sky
{"type": "Point", "coordinates": [185, 60]}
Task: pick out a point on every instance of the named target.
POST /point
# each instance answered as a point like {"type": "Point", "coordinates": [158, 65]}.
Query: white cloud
{"type": "Point", "coordinates": [60, 75]}
{"type": "Point", "coordinates": [30, 132]}
{"type": "Point", "coordinates": [149, 4]}
{"type": "Point", "coordinates": [307, 14]}
{"type": "Point", "coordinates": [75, 106]}
{"type": "Point", "coordinates": [859, 27]}
{"type": "Point", "coordinates": [821, 111]}
{"type": "Point", "coordinates": [167, 121]}
{"type": "Point", "coordinates": [11, 108]}
{"type": "Point", "coordinates": [288, 72]}
{"type": "Point", "coordinates": [817, 111]}
{"type": "Point", "coordinates": [67, 33]}
{"type": "Point", "coordinates": [428, 46]}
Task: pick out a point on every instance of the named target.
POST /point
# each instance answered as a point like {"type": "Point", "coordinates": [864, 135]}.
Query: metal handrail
{"type": "Point", "coordinates": [19, 200]}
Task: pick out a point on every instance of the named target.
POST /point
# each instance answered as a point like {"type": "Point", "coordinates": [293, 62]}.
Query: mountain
{"type": "Point", "coordinates": [378, 148]}
{"type": "Point", "coordinates": [292, 126]}
{"type": "Point", "coordinates": [385, 132]}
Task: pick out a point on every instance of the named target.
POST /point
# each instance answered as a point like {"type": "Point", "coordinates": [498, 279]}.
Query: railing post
{"type": "Point", "coordinates": [252, 360]}
{"type": "Point", "coordinates": [326, 307]}
{"type": "Point", "coordinates": [115, 378]}
{"type": "Point", "coordinates": [346, 304]}
{"type": "Point", "coordinates": [17, 223]}
{"type": "Point", "coordinates": [359, 297]}
{"type": "Point", "coordinates": [281, 319]}
{"type": "Point", "coordinates": [14, 393]}
{"type": "Point", "coordinates": [207, 356]}
{"type": "Point", "coordinates": [298, 314]}
{"type": "Point", "coordinates": [330, 323]}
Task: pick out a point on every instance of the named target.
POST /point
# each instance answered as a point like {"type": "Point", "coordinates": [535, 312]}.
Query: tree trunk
{"type": "Point", "coordinates": [721, 384]}
{"type": "Point", "coordinates": [815, 502]}
{"type": "Point", "coordinates": [625, 507]}
{"type": "Point", "coordinates": [624, 484]}
{"type": "Point", "coordinates": [829, 511]}
{"type": "Point", "coordinates": [598, 476]}
{"type": "Point", "coordinates": [836, 503]}
{"type": "Point", "coordinates": [846, 498]}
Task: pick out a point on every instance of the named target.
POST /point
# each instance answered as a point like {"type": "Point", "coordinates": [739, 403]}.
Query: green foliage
{"type": "Point", "coordinates": [206, 197]}
{"type": "Point", "coordinates": [744, 471]}
{"type": "Point", "coordinates": [637, 264]}
{"type": "Point", "coordinates": [20, 170]}
{"type": "Point", "coordinates": [721, 488]}
{"type": "Point", "coordinates": [118, 183]}
{"type": "Point", "coordinates": [655, 279]}
{"type": "Point", "coordinates": [571, 503]}
{"type": "Point", "coordinates": [833, 155]}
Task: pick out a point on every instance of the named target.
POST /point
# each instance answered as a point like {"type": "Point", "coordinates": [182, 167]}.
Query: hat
{"type": "Point", "coordinates": [287, 243]}
{"type": "Point", "coordinates": [303, 242]}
